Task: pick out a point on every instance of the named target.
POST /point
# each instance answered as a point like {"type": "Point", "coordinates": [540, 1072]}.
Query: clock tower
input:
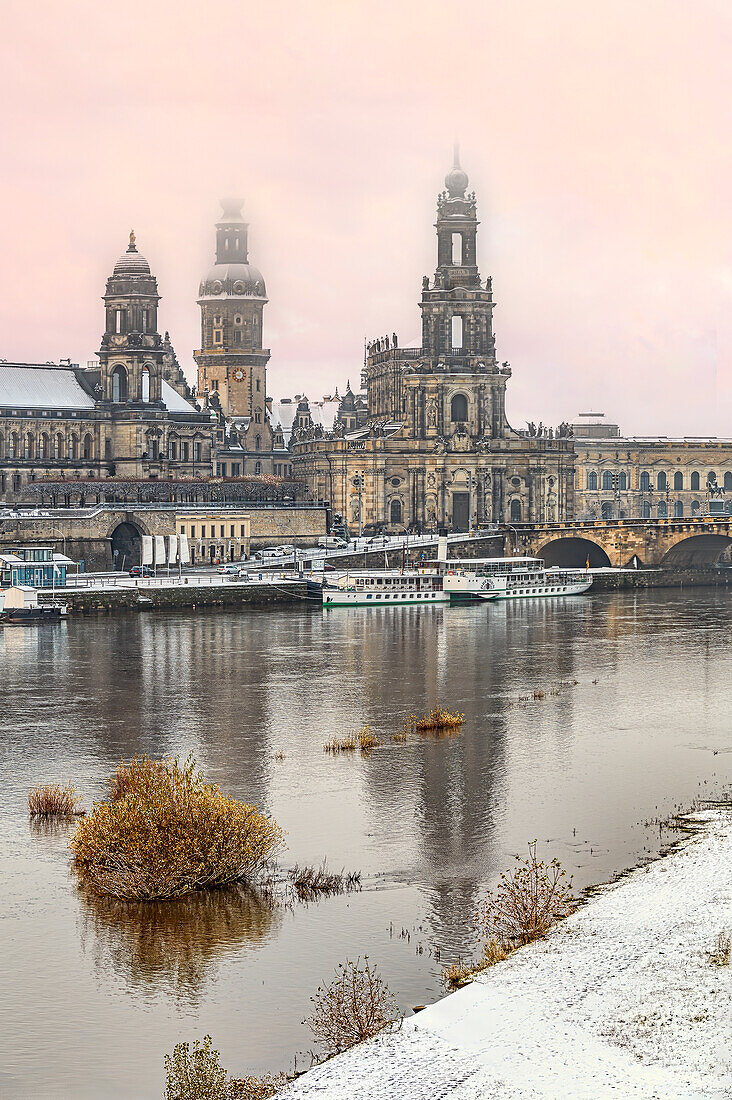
{"type": "Point", "coordinates": [232, 364]}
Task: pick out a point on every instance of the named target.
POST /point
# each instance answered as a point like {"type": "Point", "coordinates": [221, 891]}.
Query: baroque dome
{"type": "Point", "coordinates": [456, 180]}
{"type": "Point", "coordinates": [131, 262]}
{"type": "Point", "coordinates": [234, 281]}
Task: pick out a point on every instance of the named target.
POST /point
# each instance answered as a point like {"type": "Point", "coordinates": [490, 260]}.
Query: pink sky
{"type": "Point", "coordinates": [596, 135]}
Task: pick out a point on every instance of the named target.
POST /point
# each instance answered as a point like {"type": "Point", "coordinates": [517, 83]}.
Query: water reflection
{"type": "Point", "coordinates": [174, 945]}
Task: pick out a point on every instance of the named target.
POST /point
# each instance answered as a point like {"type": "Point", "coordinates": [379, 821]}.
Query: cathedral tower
{"type": "Point", "coordinates": [232, 364]}
{"type": "Point", "coordinates": [131, 354]}
{"type": "Point", "coordinates": [457, 312]}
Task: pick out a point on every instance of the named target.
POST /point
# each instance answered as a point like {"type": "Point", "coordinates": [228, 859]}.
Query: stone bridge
{"type": "Point", "coordinates": [668, 543]}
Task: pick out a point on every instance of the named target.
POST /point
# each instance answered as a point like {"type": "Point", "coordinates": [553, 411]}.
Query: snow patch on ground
{"type": "Point", "coordinates": [621, 1001]}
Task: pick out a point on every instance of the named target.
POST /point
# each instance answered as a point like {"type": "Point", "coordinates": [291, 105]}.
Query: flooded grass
{"type": "Point", "coordinates": [53, 800]}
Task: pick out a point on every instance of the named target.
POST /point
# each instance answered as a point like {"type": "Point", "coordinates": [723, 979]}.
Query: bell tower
{"type": "Point", "coordinates": [457, 311]}
{"type": "Point", "coordinates": [131, 354]}
{"type": "Point", "coordinates": [232, 363]}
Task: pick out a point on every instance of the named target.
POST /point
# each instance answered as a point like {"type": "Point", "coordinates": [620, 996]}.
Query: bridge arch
{"type": "Point", "coordinates": [695, 550]}
{"type": "Point", "coordinates": [573, 553]}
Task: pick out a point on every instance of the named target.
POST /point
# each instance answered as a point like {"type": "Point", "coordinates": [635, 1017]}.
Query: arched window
{"type": "Point", "coordinates": [58, 446]}
{"type": "Point", "coordinates": [257, 416]}
{"type": "Point", "coordinates": [145, 384]}
{"type": "Point", "coordinates": [592, 480]}
{"type": "Point", "coordinates": [728, 482]}
{"type": "Point", "coordinates": [515, 511]}
{"type": "Point", "coordinates": [119, 384]}
{"type": "Point", "coordinates": [607, 509]}
{"type": "Point", "coordinates": [678, 509]}
{"type": "Point", "coordinates": [257, 467]}
{"type": "Point", "coordinates": [396, 511]}
{"type": "Point", "coordinates": [2, 446]}
{"type": "Point", "coordinates": [457, 248]}
{"type": "Point", "coordinates": [646, 510]}
{"type": "Point", "coordinates": [173, 450]}
{"type": "Point", "coordinates": [43, 446]}
{"type": "Point", "coordinates": [661, 480]}
{"type": "Point", "coordinates": [459, 408]}
{"type": "Point", "coordinates": [257, 442]}
{"type": "Point", "coordinates": [72, 447]}
{"type": "Point", "coordinates": [607, 479]}
{"type": "Point", "coordinates": [13, 445]}
{"type": "Point", "coordinates": [695, 506]}
{"type": "Point", "coordinates": [28, 447]}
{"type": "Point", "coordinates": [695, 482]}
{"type": "Point", "coordinates": [678, 480]}
{"type": "Point", "coordinates": [88, 446]}
{"type": "Point", "coordinates": [662, 510]}
{"type": "Point", "coordinates": [645, 481]}
{"type": "Point", "coordinates": [623, 481]}
{"type": "Point", "coordinates": [457, 332]}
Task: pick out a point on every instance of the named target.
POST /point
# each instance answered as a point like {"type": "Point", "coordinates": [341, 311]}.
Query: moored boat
{"type": "Point", "coordinates": [385, 588]}
{"type": "Point", "coordinates": [19, 606]}
{"type": "Point", "coordinates": [510, 579]}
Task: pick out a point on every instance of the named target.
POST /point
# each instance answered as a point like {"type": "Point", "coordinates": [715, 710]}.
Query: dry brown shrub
{"type": "Point", "coordinates": [367, 740]}
{"type": "Point", "coordinates": [356, 1005]}
{"type": "Point", "coordinates": [401, 735]}
{"type": "Point", "coordinates": [526, 902]}
{"type": "Point", "coordinates": [463, 974]}
{"type": "Point", "coordinates": [53, 800]}
{"type": "Point", "coordinates": [439, 718]}
{"type": "Point", "coordinates": [169, 834]}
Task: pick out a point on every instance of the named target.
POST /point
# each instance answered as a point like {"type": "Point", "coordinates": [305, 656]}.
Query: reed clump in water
{"type": "Point", "coordinates": [311, 881]}
{"type": "Point", "coordinates": [362, 739]}
{"type": "Point", "coordinates": [439, 718]}
{"type": "Point", "coordinates": [166, 832]}
{"type": "Point", "coordinates": [53, 800]}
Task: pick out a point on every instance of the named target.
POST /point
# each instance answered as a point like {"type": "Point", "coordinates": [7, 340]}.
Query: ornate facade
{"type": "Point", "coordinates": [638, 477]}
{"type": "Point", "coordinates": [124, 419]}
{"type": "Point", "coordinates": [438, 449]}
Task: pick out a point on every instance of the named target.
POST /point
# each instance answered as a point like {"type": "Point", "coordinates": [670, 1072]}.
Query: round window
{"type": "Point", "coordinates": [217, 287]}
{"type": "Point", "coordinates": [239, 288]}
{"type": "Point", "coordinates": [516, 481]}
{"type": "Point", "coordinates": [396, 481]}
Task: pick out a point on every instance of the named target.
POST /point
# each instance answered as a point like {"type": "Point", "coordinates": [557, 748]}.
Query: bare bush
{"type": "Point", "coordinates": [721, 953]}
{"type": "Point", "coordinates": [355, 1006]}
{"type": "Point", "coordinates": [526, 902]}
{"type": "Point", "coordinates": [133, 775]}
{"type": "Point", "coordinates": [53, 800]}
{"type": "Point", "coordinates": [170, 833]}
{"type": "Point", "coordinates": [256, 1088]}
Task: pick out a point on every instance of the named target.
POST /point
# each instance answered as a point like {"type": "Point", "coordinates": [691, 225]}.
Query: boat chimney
{"type": "Point", "coordinates": [442, 544]}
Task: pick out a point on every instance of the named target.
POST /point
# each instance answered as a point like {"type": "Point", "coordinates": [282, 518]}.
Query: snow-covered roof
{"type": "Point", "coordinates": [41, 386]}
{"type": "Point", "coordinates": [173, 401]}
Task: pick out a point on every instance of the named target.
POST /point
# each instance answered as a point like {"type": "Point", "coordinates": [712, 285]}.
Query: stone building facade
{"type": "Point", "coordinates": [438, 448]}
{"type": "Point", "coordinates": [122, 419]}
{"type": "Point", "coordinates": [639, 477]}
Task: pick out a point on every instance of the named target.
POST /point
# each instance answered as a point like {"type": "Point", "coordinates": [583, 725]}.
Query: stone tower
{"type": "Point", "coordinates": [131, 354]}
{"type": "Point", "coordinates": [457, 312]}
{"type": "Point", "coordinates": [232, 362]}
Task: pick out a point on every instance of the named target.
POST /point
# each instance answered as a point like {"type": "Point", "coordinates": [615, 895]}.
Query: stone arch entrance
{"type": "Point", "coordinates": [126, 545]}
{"type": "Point", "coordinates": [695, 551]}
{"type": "Point", "coordinates": [573, 553]}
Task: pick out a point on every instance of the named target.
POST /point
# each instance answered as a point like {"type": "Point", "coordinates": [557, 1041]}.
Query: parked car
{"type": "Point", "coordinates": [141, 571]}
{"type": "Point", "coordinates": [229, 567]}
{"type": "Point", "coordinates": [332, 542]}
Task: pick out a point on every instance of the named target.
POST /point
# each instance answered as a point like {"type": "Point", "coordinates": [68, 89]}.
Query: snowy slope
{"type": "Point", "coordinates": [620, 1001]}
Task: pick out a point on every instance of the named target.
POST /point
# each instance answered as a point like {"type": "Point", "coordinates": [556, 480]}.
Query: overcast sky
{"type": "Point", "coordinates": [598, 137]}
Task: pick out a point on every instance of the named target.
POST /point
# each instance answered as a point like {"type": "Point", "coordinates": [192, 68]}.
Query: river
{"type": "Point", "coordinates": [94, 993]}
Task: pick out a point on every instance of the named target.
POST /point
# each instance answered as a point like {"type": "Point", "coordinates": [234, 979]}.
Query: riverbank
{"type": "Point", "coordinates": [620, 1000]}
{"type": "Point", "coordinates": [191, 593]}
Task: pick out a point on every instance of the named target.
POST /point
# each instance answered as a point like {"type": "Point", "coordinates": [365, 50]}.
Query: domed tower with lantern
{"type": "Point", "coordinates": [232, 362]}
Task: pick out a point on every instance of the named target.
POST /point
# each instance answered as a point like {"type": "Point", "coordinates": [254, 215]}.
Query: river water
{"type": "Point", "coordinates": [93, 993]}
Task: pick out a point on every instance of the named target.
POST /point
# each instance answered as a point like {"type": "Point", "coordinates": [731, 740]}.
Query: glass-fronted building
{"type": "Point", "coordinates": [35, 566]}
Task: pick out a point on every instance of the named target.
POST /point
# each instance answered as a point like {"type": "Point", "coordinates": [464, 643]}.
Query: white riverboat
{"type": "Point", "coordinates": [385, 588]}
{"type": "Point", "coordinates": [508, 579]}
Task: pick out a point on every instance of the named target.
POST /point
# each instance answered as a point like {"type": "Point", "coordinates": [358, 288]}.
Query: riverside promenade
{"type": "Point", "coordinates": [620, 1001]}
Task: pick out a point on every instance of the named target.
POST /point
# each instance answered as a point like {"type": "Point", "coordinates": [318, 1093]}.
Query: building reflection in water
{"type": "Point", "coordinates": [174, 946]}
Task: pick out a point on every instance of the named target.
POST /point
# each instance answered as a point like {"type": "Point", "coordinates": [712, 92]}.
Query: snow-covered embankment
{"type": "Point", "coordinates": [621, 1000]}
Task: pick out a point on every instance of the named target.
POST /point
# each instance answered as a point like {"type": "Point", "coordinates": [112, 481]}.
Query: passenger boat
{"type": "Point", "coordinates": [385, 588]}
{"type": "Point", "coordinates": [509, 579]}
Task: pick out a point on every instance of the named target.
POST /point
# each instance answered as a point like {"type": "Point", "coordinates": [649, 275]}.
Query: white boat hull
{"type": "Point", "coordinates": [338, 597]}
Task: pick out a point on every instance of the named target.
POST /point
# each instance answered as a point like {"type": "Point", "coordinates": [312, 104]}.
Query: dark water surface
{"type": "Point", "coordinates": [93, 993]}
